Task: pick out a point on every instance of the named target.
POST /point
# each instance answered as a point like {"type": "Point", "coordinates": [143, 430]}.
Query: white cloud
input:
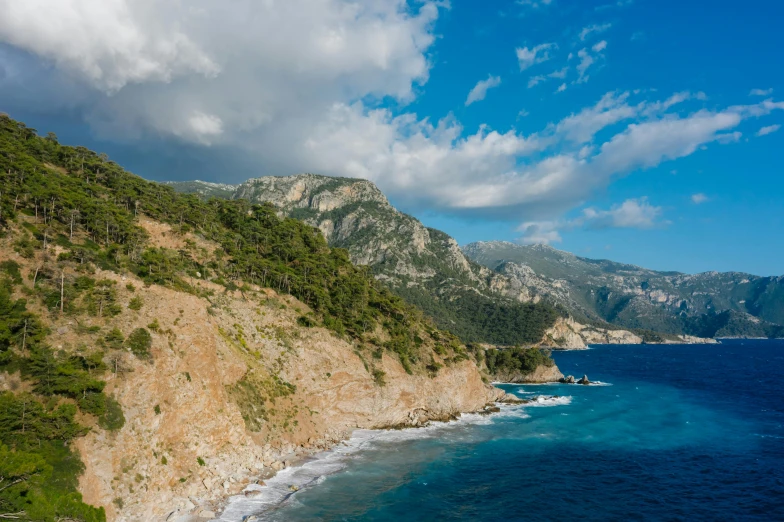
{"type": "Point", "coordinates": [533, 81]}
{"type": "Point", "coordinates": [539, 232]}
{"type": "Point", "coordinates": [632, 213]}
{"type": "Point", "coordinates": [110, 43]}
{"type": "Point", "coordinates": [479, 91]}
{"type": "Point", "coordinates": [560, 73]}
{"type": "Point", "coordinates": [586, 60]}
{"type": "Point", "coordinates": [599, 46]}
{"type": "Point", "coordinates": [510, 175]}
{"type": "Point", "coordinates": [253, 66]}
{"type": "Point", "coordinates": [561, 88]}
{"type": "Point", "coordinates": [761, 92]}
{"type": "Point", "coordinates": [294, 86]}
{"type": "Point", "coordinates": [527, 57]}
{"type": "Point", "coordinates": [699, 198]}
{"type": "Point", "coordinates": [770, 129]}
{"type": "Point", "coordinates": [593, 29]}
{"type": "Point", "coordinates": [581, 127]}
{"type": "Point", "coordinates": [534, 3]}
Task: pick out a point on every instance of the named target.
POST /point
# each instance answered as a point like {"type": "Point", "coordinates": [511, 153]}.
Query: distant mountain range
{"type": "Point", "coordinates": [710, 304]}
{"type": "Point", "coordinates": [504, 293]}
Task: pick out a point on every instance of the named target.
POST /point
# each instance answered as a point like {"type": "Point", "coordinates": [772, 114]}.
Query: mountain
{"type": "Point", "coordinates": [160, 351]}
{"type": "Point", "coordinates": [423, 265]}
{"type": "Point", "coordinates": [204, 189]}
{"type": "Point", "coordinates": [710, 304]}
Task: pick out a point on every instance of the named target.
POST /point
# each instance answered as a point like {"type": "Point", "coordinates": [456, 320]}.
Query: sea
{"type": "Point", "coordinates": [667, 432]}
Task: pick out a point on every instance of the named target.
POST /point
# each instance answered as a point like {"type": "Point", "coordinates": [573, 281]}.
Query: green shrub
{"type": "Point", "coordinates": [136, 303]}
{"type": "Point", "coordinates": [11, 268]}
{"type": "Point", "coordinates": [306, 321]}
{"type": "Point", "coordinates": [113, 419]}
{"type": "Point", "coordinates": [114, 339]}
{"type": "Point", "coordinates": [201, 461]}
{"type": "Point", "coordinates": [140, 342]}
{"type": "Point", "coordinates": [378, 377]}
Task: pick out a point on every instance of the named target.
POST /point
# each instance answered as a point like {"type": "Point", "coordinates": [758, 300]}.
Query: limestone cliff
{"type": "Point", "coordinates": [235, 389]}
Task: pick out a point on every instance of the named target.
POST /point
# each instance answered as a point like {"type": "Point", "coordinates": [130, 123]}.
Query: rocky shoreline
{"type": "Point", "coordinates": [252, 486]}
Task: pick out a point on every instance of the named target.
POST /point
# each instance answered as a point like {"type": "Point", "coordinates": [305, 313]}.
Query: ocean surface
{"type": "Point", "coordinates": [673, 433]}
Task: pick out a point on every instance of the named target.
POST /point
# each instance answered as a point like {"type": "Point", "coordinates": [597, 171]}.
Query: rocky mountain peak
{"type": "Point", "coordinates": [320, 193]}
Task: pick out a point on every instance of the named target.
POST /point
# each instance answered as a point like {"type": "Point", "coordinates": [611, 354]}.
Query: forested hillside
{"type": "Point", "coordinates": [69, 213]}
{"type": "Point", "coordinates": [423, 265]}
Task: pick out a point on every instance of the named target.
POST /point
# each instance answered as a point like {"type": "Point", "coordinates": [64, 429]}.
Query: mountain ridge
{"type": "Point", "coordinates": [425, 266]}
{"type": "Point", "coordinates": [705, 304]}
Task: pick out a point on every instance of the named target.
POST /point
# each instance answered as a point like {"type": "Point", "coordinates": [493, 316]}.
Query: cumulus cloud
{"type": "Point", "coordinates": [510, 175]}
{"type": "Point", "coordinates": [109, 43]}
{"type": "Point", "coordinates": [599, 46]}
{"type": "Point", "coordinates": [297, 84]}
{"type": "Point", "coordinates": [527, 57]}
{"type": "Point", "coordinates": [699, 198]}
{"type": "Point", "coordinates": [539, 232]}
{"type": "Point", "coordinates": [151, 67]}
{"type": "Point", "coordinates": [593, 29]}
{"type": "Point", "coordinates": [479, 91]}
{"type": "Point", "coordinates": [761, 92]}
{"type": "Point", "coordinates": [632, 213]}
{"type": "Point", "coordinates": [769, 129]}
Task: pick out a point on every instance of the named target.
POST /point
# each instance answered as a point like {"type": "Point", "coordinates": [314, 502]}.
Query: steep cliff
{"type": "Point", "coordinates": [163, 350]}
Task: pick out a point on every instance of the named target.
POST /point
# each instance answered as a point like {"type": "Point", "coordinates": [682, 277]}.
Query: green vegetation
{"type": "Point", "coordinates": [92, 204]}
{"type": "Point", "coordinates": [477, 318]}
{"type": "Point", "coordinates": [38, 469]}
{"type": "Point", "coordinates": [513, 360]}
{"type": "Point", "coordinates": [136, 303]}
{"type": "Point", "coordinates": [140, 342]}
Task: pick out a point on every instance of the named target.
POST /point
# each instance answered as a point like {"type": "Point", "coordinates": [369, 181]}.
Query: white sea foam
{"type": "Point", "coordinates": [545, 401]}
{"type": "Point", "coordinates": [282, 488]}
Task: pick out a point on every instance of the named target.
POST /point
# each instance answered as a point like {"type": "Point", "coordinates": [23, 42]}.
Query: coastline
{"type": "Point", "coordinates": [273, 487]}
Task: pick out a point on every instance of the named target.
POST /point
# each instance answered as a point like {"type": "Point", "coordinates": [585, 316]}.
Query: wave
{"type": "Point", "coordinates": [256, 500]}
{"type": "Point", "coordinates": [546, 401]}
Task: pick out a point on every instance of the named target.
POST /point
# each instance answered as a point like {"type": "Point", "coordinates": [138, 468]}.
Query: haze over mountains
{"type": "Point", "coordinates": [427, 267]}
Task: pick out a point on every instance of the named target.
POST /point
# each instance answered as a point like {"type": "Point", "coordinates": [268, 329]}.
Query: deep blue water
{"type": "Point", "coordinates": [682, 432]}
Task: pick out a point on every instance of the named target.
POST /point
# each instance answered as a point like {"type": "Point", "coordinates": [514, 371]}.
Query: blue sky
{"type": "Point", "coordinates": [639, 131]}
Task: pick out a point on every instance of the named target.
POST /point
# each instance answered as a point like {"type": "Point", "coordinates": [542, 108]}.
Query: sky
{"type": "Point", "coordinates": [647, 132]}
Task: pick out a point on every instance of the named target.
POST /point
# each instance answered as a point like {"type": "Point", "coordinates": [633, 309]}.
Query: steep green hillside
{"type": "Point", "coordinates": [424, 266]}
{"type": "Point", "coordinates": [706, 305]}
{"type": "Point", "coordinates": [66, 212]}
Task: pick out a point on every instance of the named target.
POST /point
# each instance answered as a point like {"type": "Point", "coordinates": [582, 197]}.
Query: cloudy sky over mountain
{"type": "Point", "coordinates": [642, 131]}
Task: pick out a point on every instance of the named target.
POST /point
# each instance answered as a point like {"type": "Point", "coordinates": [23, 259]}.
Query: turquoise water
{"type": "Point", "coordinates": [677, 432]}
